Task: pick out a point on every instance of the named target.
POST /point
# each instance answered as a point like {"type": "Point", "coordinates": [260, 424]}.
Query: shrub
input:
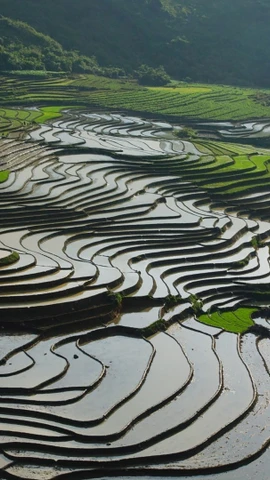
{"type": "Point", "coordinates": [152, 76]}
{"type": "Point", "coordinates": [186, 132]}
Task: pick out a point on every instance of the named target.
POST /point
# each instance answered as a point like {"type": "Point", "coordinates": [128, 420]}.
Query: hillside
{"type": "Point", "coordinates": [24, 48]}
{"type": "Point", "coordinates": [115, 31]}
{"type": "Point", "coordinates": [218, 41]}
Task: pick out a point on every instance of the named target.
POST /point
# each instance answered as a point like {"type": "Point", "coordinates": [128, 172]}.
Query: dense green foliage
{"type": "Point", "coordinates": [217, 41]}
{"type": "Point", "coordinates": [152, 76]}
{"type": "Point", "coordinates": [23, 48]}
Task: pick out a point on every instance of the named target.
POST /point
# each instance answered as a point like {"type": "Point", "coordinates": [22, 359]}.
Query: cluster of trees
{"type": "Point", "coordinates": [23, 48]}
{"type": "Point", "coordinates": [147, 75]}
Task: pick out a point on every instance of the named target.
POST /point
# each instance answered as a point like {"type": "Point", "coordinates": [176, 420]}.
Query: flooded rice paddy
{"type": "Point", "coordinates": [113, 237]}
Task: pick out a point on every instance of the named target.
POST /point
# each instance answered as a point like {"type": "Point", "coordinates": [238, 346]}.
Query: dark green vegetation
{"type": "Point", "coordinates": [220, 41]}
{"type": "Point", "coordinates": [23, 48]}
{"type": "Point", "coordinates": [196, 304]}
{"type": "Point", "coordinates": [158, 326]}
{"type": "Point", "coordinates": [116, 298]}
{"type": "Point", "coordinates": [186, 133]}
{"type": "Point", "coordinates": [9, 259]}
{"type": "Point", "coordinates": [256, 242]}
{"type": "Point", "coordinates": [171, 301]}
{"type": "Point", "coordinates": [235, 321]}
{"type": "Point", "coordinates": [152, 76]}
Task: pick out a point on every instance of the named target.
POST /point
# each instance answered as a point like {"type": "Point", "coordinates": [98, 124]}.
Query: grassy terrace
{"type": "Point", "coordinates": [193, 101]}
{"type": "Point", "coordinates": [237, 321]}
{"type": "Point", "coordinates": [19, 120]}
{"type": "Point", "coordinates": [235, 171]}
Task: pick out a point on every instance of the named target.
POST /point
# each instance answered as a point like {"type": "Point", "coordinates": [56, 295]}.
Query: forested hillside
{"type": "Point", "coordinates": [24, 48]}
{"type": "Point", "coordinates": [223, 41]}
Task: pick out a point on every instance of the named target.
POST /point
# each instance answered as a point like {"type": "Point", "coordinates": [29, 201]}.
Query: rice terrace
{"type": "Point", "coordinates": [134, 279]}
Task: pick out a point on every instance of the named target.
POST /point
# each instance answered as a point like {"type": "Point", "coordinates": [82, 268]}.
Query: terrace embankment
{"type": "Point", "coordinates": [134, 254]}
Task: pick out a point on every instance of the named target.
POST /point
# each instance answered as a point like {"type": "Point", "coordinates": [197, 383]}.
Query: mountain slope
{"type": "Point", "coordinates": [220, 41]}
{"type": "Point", "coordinates": [117, 32]}
{"type": "Point", "coordinates": [23, 47]}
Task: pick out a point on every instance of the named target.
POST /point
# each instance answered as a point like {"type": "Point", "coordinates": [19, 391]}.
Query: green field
{"type": "Point", "coordinates": [232, 168]}
{"type": "Point", "coordinates": [235, 321]}
{"type": "Point", "coordinates": [20, 120]}
{"type": "Point", "coordinates": [233, 172]}
{"type": "Point", "coordinates": [185, 101]}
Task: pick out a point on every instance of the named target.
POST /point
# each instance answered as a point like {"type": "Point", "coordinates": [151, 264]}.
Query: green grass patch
{"type": "Point", "coordinates": [49, 113]}
{"type": "Point", "coordinates": [4, 176]}
{"type": "Point", "coordinates": [234, 321]}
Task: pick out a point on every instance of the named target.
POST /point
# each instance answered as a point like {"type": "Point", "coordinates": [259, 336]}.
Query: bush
{"type": "Point", "coordinates": [152, 76]}
{"type": "Point", "coordinates": [186, 132]}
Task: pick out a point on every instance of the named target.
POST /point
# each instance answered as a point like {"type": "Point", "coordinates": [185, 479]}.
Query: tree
{"type": "Point", "coordinates": [152, 76]}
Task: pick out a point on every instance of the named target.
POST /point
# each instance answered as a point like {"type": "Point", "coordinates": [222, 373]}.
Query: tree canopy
{"type": "Point", "coordinates": [215, 41]}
